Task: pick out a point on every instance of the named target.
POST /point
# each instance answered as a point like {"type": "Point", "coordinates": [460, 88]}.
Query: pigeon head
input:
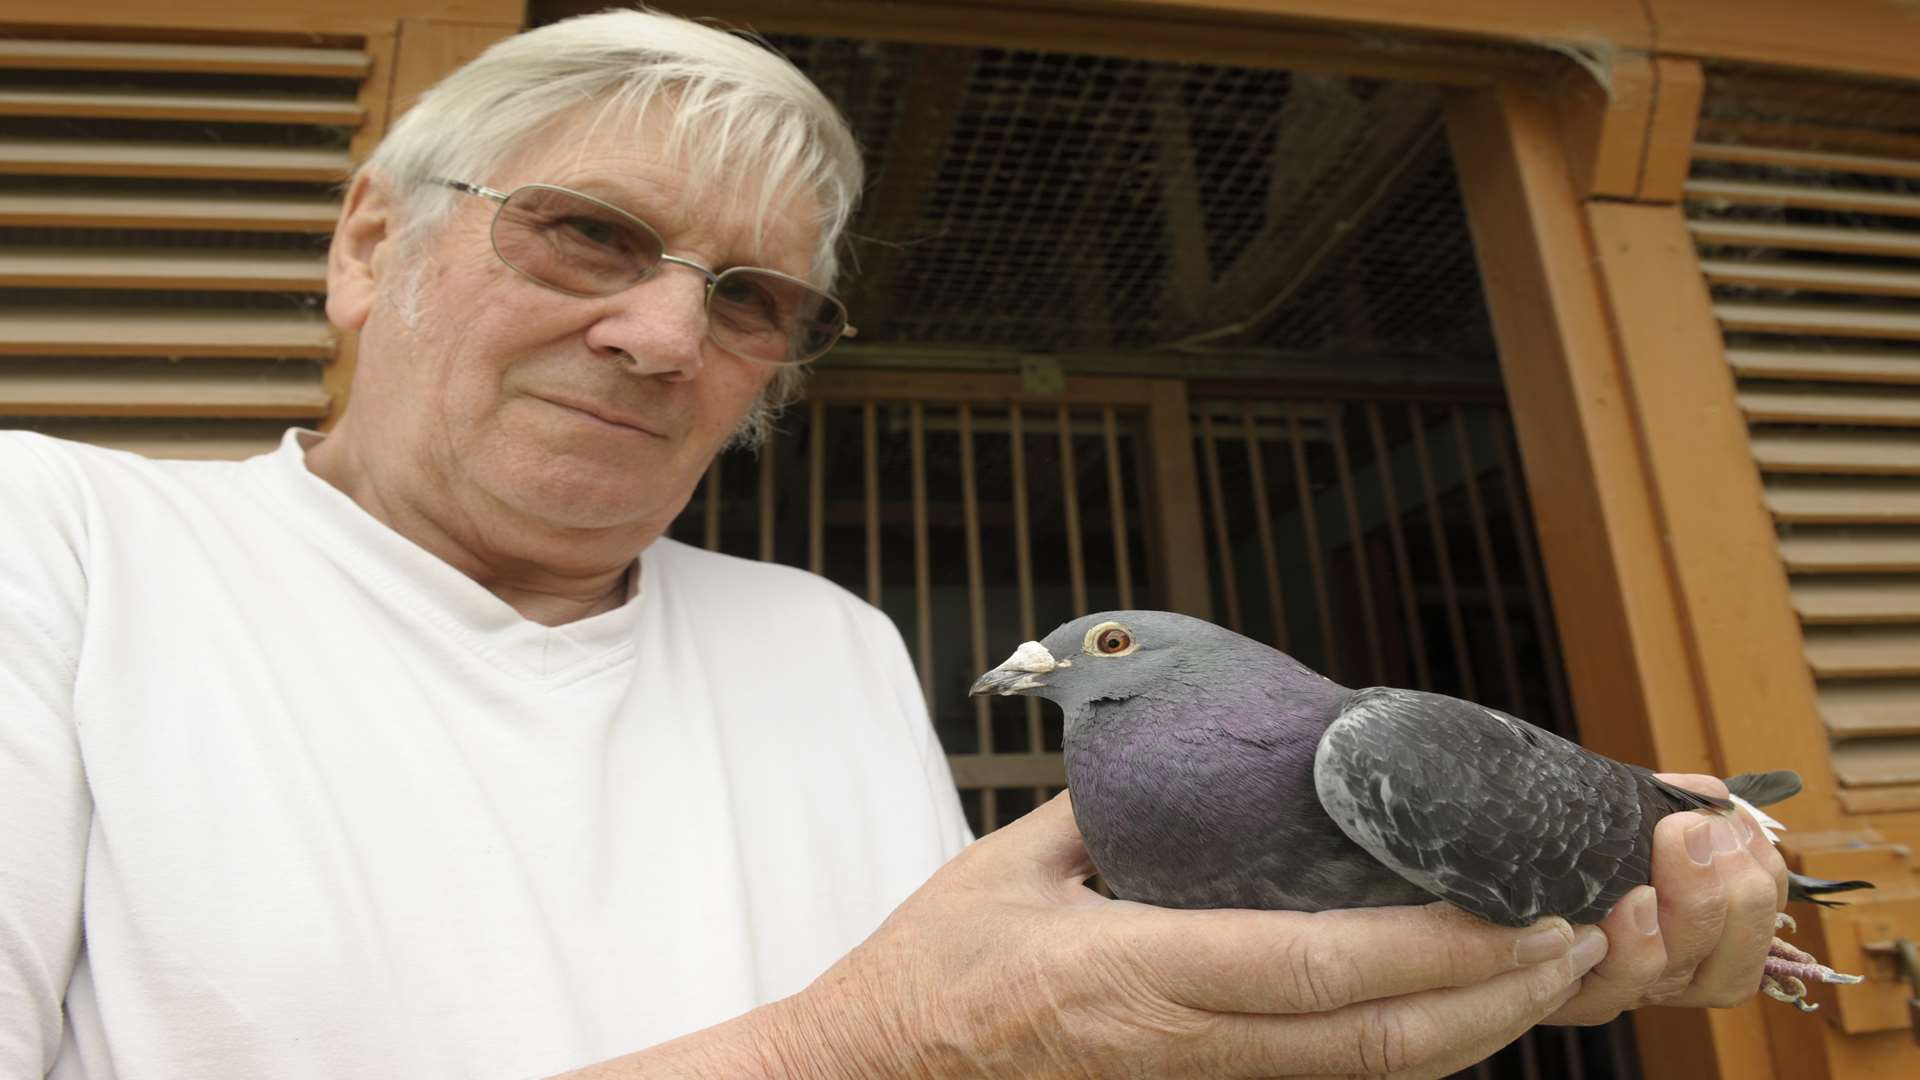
{"type": "Point", "coordinates": [1120, 655]}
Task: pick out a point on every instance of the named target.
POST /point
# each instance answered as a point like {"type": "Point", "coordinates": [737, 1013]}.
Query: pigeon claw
{"type": "Point", "coordinates": [1789, 968]}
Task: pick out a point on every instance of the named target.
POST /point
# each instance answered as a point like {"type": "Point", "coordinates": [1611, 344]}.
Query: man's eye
{"type": "Point", "coordinates": [595, 231]}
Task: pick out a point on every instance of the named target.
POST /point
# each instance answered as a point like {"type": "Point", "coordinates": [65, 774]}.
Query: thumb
{"type": "Point", "coordinates": [1045, 842]}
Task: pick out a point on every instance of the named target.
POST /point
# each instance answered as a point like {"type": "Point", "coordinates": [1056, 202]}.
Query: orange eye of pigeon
{"type": "Point", "coordinates": [1113, 641]}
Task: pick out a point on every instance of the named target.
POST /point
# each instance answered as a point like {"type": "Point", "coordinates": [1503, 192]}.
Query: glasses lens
{"type": "Point", "coordinates": [573, 243]}
{"type": "Point", "coordinates": [774, 318]}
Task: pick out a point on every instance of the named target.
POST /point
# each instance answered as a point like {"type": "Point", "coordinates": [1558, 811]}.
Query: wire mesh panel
{"type": "Point", "coordinates": [974, 525]}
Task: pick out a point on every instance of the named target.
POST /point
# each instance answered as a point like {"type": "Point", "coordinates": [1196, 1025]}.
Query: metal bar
{"type": "Point", "coordinates": [1311, 527]}
{"type": "Point", "coordinates": [1211, 456]}
{"type": "Point", "coordinates": [976, 606]}
{"type": "Point", "coordinates": [870, 462]}
{"type": "Point", "coordinates": [767, 457]}
{"type": "Point", "coordinates": [1574, 1060]}
{"type": "Point", "coordinates": [922, 563]}
{"type": "Point", "coordinates": [1455, 624]}
{"type": "Point", "coordinates": [1356, 539]}
{"type": "Point", "coordinates": [817, 490]}
{"type": "Point", "coordinates": [1263, 518]}
{"type": "Point", "coordinates": [1545, 634]}
{"type": "Point", "coordinates": [713, 505]}
{"type": "Point", "coordinates": [1023, 566]}
{"type": "Point", "coordinates": [1403, 566]}
{"type": "Point", "coordinates": [1117, 503]}
{"type": "Point", "coordinates": [1070, 502]}
{"type": "Point", "coordinates": [1483, 540]}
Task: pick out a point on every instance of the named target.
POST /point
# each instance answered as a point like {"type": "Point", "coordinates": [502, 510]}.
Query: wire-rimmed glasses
{"type": "Point", "coordinates": [578, 245]}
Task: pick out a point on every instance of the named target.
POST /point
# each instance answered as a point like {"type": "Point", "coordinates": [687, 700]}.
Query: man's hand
{"type": "Point", "coordinates": [1699, 934]}
{"type": "Point", "coordinates": [1005, 964]}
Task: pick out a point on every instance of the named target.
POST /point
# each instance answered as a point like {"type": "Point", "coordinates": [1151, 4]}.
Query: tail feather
{"type": "Point", "coordinates": [1811, 889]}
{"type": "Point", "coordinates": [1767, 788]}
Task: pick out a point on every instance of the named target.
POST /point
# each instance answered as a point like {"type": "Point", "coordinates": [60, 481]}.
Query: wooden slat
{"type": "Point", "coordinates": [1489, 571]}
{"type": "Point", "coordinates": [100, 157]}
{"type": "Point", "coordinates": [1847, 241]}
{"type": "Point", "coordinates": [922, 551]}
{"type": "Point", "coordinates": [972, 771]}
{"type": "Point", "coordinates": [188, 440]}
{"type": "Point", "coordinates": [162, 268]}
{"type": "Point", "coordinates": [713, 506]}
{"type": "Point", "coordinates": [1880, 800]}
{"type": "Point", "coordinates": [870, 491]}
{"type": "Point", "coordinates": [1875, 406]}
{"type": "Point", "coordinates": [1831, 366]}
{"type": "Point", "coordinates": [1851, 551]}
{"type": "Point", "coordinates": [1456, 624]}
{"type": "Point", "coordinates": [146, 56]}
{"type": "Point", "coordinates": [162, 389]}
{"type": "Point", "coordinates": [146, 332]}
{"type": "Point", "coordinates": [1310, 527]}
{"type": "Point", "coordinates": [1357, 544]}
{"type": "Point", "coordinates": [1402, 565]}
{"type": "Point", "coordinates": [1830, 600]}
{"type": "Point", "coordinates": [1878, 762]}
{"type": "Point", "coordinates": [211, 107]}
{"type": "Point", "coordinates": [1812, 277]}
{"type": "Point", "coordinates": [976, 606]}
{"type": "Point", "coordinates": [1070, 503]}
{"type": "Point", "coordinates": [1750, 193]}
{"type": "Point", "coordinates": [1117, 510]}
{"type": "Point", "coordinates": [1836, 320]}
{"type": "Point", "coordinates": [1222, 536]}
{"type": "Point", "coordinates": [1825, 501]}
{"type": "Point", "coordinates": [1886, 453]}
{"type": "Point", "coordinates": [1810, 160]}
{"type": "Point", "coordinates": [1864, 652]}
{"type": "Point", "coordinates": [767, 506]}
{"type": "Point", "coordinates": [1263, 521]}
{"type": "Point", "coordinates": [1871, 708]}
{"type": "Point", "coordinates": [63, 207]}
{"type": "Point", "coordinates": [817, 487]}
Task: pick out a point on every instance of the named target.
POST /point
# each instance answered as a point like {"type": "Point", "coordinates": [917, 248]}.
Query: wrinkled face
{"type": "Point", "coordinates": [521, 393]}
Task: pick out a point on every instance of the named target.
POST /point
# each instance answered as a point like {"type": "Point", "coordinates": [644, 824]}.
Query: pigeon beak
{"type": "Point", "coordinates": [1019, 672]}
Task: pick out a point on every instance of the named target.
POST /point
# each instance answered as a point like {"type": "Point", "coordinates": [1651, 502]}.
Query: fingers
{"type": "Point", "coordinates": [1636, 961]}
{"type": "Point", "coordinates": [1753, 877]}
{"type": "Point", "coordinates": [1426, 1034]}
{"type": "Point", "coordinates": [1292, 962]}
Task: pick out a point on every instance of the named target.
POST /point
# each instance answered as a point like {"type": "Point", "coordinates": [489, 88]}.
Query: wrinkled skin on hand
{"type": "Point", "coordinates": [1005, 964]}
{"type": "Point", "coordinates": [1716, 885]}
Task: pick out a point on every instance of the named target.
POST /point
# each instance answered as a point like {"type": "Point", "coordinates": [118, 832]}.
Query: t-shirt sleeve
{"type": "Point", "coordinates": [43, 794]}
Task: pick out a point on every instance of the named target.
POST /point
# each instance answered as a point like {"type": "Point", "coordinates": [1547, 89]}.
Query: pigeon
{"type": "Point", "coordinates": [1211, 770]}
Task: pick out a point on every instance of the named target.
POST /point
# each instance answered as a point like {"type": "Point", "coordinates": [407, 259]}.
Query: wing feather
{"type": "Point", "coordinates": [1504, 819]}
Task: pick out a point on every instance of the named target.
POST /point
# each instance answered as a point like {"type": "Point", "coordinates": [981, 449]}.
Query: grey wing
{"type": "Point", "coordinates": [1493, 814]}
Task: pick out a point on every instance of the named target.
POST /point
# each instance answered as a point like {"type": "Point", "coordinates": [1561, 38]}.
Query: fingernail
{"type": "Point", "coordinates": [1700, 843]}
{"type": "Point", "coordinates": [1589, 950]}
{"type": "Point", "coordinates": [1646, 911]}
{"type": "Point", "coordinates": [1743, 828]}
{"type": "Point", "coordinates": [1724, 842]}
{"type": "Point", "coordinates": [1541, 946]}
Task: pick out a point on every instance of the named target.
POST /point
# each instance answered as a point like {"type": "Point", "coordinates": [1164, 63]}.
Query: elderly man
{"type": "Point", "coordinates": [415, 749]}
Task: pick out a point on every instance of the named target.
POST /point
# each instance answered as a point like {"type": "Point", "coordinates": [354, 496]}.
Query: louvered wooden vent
{"type": "Point", "coordinates": [164, 213]}
{"type": "Point", "coordinates": [1814, 260]}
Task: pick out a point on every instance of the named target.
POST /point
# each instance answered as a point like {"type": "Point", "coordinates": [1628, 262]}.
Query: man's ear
{"type": "Point", "coordinates": [353, 265]}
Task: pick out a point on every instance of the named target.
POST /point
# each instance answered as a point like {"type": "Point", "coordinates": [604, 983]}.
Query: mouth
{"type": "Point", "coordinates": [605, 418]}
{"type": "Point", "coordinates": [1020, 673]}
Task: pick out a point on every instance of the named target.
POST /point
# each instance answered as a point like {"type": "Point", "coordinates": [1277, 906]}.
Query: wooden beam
{"type": "Point", "coordinates": [1679, 88]}
{"type": "Point", "coordinates": [1742, 636]}
{"type": "Point", "coordinates": [1222, 34]}
{"type": "Point", "coordinates": [1614, 596]}
{"type": "Point", "coordinates": [427, 50]}
{"type": "Point", "coordinates": [1605, 124]}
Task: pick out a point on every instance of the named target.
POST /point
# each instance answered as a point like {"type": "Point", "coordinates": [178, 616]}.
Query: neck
{"type": "Point", "coordinates": [549, 575]}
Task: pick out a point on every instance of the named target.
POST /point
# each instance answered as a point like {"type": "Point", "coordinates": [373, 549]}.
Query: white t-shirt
{"type": "Point", "coordinates": [325, 807]}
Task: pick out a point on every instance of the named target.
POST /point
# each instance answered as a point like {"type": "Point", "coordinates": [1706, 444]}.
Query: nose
{"type": "Point", "coordinates": [658, 327]}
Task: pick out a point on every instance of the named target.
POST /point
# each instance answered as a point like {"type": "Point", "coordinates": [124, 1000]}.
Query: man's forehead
{"type": "Point", "coordinates": [626, 162]}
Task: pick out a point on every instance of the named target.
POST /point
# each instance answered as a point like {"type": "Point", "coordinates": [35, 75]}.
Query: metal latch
{"type": "Point", "coordinates": [1907, 955]}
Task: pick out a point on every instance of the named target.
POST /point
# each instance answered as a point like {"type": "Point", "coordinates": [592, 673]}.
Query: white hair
{"type": "Point", "coordinates": [743, 120]}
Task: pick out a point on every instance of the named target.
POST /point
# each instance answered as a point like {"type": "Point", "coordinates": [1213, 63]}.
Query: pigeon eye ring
{"type": "Point", "coordinates": [1109, 639]}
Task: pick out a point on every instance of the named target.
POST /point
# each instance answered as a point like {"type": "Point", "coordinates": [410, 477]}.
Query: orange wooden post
{"type": "Point", "coordinates": [1619, 612]}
